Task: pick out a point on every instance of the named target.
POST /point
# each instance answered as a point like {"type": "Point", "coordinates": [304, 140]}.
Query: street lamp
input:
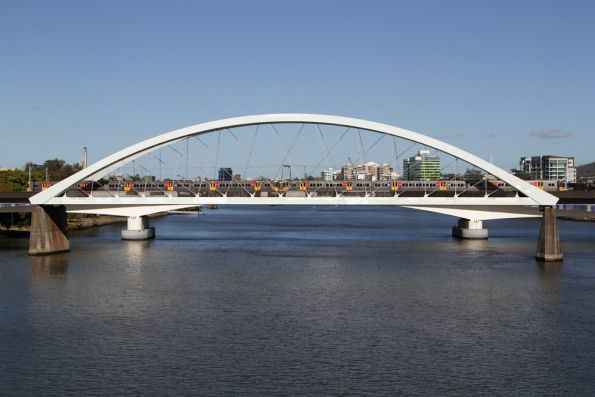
{"type": "Point", "coordinates": [286, 166]}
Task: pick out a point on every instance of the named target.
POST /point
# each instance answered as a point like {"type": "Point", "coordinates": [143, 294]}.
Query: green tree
{"type": "Point", "coordinates": [473, 174]}
{"type": "Point", "coordinates": [13, 181]}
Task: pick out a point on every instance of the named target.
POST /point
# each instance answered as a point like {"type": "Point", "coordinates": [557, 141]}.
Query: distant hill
{"type": "Point", "coordinates": [585, 170]}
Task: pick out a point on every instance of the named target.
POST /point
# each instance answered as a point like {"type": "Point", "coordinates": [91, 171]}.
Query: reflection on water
{"type": "Point", "coordinates": [300, 302]}
{"type": "Point", "coordinates": [48, 267]}
{"type": "Point", "coordinates": [550, 272]}
{"type": "Point", "coordinates": [550, 277]}
{"type": "Point", "coordinates": [135, 252]}
{"type": "Point", "coordinates": [471, 245]}
{"type": "Point", "coordinates": [14, 243]}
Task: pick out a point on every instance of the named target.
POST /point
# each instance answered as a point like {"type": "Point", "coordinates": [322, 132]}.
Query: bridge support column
{"type": "Point", "coordinates": [470, 229]}
{"type": "Point", "coordinates": [49, 233]}
{"type": "Point", "coordinates": [548, 246]}
{"type": "Point", "coordinates": [138, 229]}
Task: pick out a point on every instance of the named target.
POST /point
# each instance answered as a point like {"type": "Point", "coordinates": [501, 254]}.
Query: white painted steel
{"type": "Point", "coordinates": [446, 205]}
{"type": "Point", "coordinates": [540, 197]}
{"type": "Point", "coordinates": [483, 214]}
{"type": "Point", "coordinates": [481, 208]}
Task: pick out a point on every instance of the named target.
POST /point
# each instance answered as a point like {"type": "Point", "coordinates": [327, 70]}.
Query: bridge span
{"type": "Point", "coordinates": [70, 195]}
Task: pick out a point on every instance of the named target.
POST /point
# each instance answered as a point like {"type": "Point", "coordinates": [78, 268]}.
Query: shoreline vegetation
{"type": "Point", "coordinates": [81, 222]}
{"type": "Point", "coordinates": [579, 216]}
{"type": "Point", "coordinates": [77, 222]}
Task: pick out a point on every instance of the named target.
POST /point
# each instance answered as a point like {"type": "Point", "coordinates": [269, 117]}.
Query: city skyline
{"type": "Point", "coordinates": [501, 80]}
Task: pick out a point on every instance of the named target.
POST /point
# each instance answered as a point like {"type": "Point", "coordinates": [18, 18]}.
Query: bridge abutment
{"type": "Point", "coordinates": [470, 229]}
{"type": "Point", "coordinates": [548, 246]}
{"type": "Point", "coordinates": [138, 229]}
{"type": "Point", "coordinates": [49, 233]}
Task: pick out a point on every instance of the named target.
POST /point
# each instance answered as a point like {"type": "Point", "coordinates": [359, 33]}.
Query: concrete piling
{"type": "Point", "coordinates": [470, 230]}
{"type": "Point", "coordinates": [49, 233]}
{"type": "Point", "coordinates": [548, 246]}
{"type": "Point", "coordinates": [138, 229]}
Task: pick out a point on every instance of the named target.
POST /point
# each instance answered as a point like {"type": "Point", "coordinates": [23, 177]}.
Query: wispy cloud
{"type": "Point", "coordinates": [551, 134]}
{"type": "Point", "coordinates": [450, 136]}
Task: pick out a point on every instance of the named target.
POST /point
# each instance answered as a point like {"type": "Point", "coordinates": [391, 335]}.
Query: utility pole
{"type": "Point", "coordinates": [29, 188]}
{"type": "Point", "coordinates": [84, 161]}
{"type": "Point", "coordinates": [286, 166]}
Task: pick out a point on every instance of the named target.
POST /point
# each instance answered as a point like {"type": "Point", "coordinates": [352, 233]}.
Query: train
{"type": "Point", "coordinates": [294, 187]}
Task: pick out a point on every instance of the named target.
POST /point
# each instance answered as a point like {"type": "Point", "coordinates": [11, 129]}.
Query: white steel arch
{"type": "Point", "coordinates": [536, 196]}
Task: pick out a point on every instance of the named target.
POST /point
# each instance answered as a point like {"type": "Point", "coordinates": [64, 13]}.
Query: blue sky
{"type": "Point", "coordinates": [500, 79]}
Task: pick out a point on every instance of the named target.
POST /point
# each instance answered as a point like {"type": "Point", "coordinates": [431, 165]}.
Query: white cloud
{"type": "Point", "coordinates": [551, 134]}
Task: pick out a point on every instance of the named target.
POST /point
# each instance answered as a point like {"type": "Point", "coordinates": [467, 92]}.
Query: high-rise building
{"type": "Point", "coordinates": [367, 172]}
{"type": "Point", "coordinates": [225, 174]}
{"type": "Point", "coordinates": [327, 174]}
{"type": "Point", "coordinates": [347, 172]}
{"type": "Point", "coordinates": [386, 172]}
{"type": "Point", "coordinates": [422, 166]}
{"type": "Point", "coordinates": [548, 167]}
{"type": "Point", "coordinates": [370, 171]}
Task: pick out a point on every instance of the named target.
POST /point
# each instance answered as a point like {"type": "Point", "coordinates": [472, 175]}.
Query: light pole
{"type": "Point", "coordinates": [286, 166]}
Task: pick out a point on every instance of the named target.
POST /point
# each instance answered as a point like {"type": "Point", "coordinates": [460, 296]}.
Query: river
{"type": "Point", "coordinates": [301, 301]}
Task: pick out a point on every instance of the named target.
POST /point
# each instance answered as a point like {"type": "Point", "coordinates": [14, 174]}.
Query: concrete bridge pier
{"type": "Point", "coordinates": [548, 246]}
{"type": "Point", "coordinates": [138, 229]}
{"type": "Point", "coordinates": [470, 229]}
{"type": "Point", "coordinates": [49, 233]}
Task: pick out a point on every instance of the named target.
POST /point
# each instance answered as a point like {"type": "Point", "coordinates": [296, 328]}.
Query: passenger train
{"type": "Point", "coordinates": [266, 187]}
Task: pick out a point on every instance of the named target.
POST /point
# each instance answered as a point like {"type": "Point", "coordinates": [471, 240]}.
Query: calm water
{"type": "Point", "coordinates": [286, 301]}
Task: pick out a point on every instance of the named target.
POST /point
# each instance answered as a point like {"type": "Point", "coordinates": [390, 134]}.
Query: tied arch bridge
{"type": "Point", "coordinates": [470, 206]}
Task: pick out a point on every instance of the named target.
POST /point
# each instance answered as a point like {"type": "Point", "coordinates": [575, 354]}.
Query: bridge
{"type": "Point", "coordinates": [101, 188]}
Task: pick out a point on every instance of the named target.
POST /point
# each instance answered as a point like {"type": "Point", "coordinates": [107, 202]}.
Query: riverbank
{"type": "Point", "coordinates": [92, 221]}
{"type": "Point", "coordinates": [580, 216]}
{"type": "Point", "coordinates": [74, 223]}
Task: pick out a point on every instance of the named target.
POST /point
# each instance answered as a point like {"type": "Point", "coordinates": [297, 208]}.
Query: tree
{"type": "Point", "coordinates": [16, 180]}
{"type": "Point", "coordinates": [473, 174]}
{"type": "Point", "coordinates": [13, 181]}
{"type": "Point", "coordinates": [58, 169]}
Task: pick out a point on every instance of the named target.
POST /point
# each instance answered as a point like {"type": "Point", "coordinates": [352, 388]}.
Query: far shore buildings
{"type": "Point", "coordinates": [422, 166]}
{"type": "Point", "coordinates": [547, 167]}
{"type": "Point", "coordinates": [225, 174]}
{"type": "Point", "coordinates": [327, 174]}
{"type": "Point", "coordinates": [370, 171]}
